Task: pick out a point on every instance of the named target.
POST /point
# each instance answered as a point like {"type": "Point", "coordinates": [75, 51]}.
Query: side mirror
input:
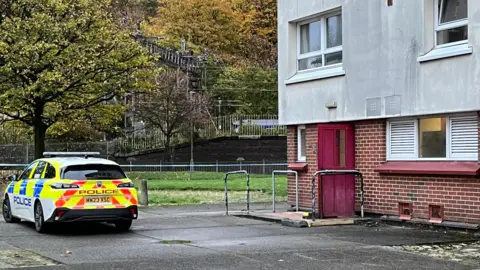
{"type": "Point", "coordinates": [12, 177]}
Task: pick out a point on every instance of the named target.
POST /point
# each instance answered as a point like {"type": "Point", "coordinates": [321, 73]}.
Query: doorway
{"type": "Point", "coordinates": [336, 151]}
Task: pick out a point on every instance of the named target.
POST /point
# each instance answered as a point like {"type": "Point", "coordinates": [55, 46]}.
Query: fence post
{"type": "Point", "coordinates": [144, 192]}
{"type": "Point", "coordinates": [263, 166]}
{"type": "Point", "coordinates": [160, 165]}
{"type": "Point", "coordinates": [216, 166]}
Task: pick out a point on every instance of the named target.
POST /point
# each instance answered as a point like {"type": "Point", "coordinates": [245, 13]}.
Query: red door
{"type": "Point", "coordinates": [336, 150]}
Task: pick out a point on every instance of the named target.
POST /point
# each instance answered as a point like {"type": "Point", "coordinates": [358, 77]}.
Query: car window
{"type": "Point", "coordinates": [39, 170]}
{"type": "Point", "coordinates": [26, 173]}
{"type": "Point", "coordinates": [50, 172]}
{"type": "Point", "coordinates": [93, 171]}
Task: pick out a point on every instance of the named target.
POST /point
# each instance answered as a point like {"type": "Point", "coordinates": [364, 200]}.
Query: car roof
{"type": "Point", "coordinates": [69, 161]}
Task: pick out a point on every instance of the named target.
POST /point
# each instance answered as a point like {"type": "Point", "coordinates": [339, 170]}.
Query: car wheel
{"type": "Point", "coordinates": [7, 212]}
{"type": "Point", "coordinates": [123, 225]}
{"type": "Point", "coordinates": [40, 225]}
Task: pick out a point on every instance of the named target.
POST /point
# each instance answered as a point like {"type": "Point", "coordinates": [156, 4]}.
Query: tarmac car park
{"type": "Point", "coordinates": [71, 187]}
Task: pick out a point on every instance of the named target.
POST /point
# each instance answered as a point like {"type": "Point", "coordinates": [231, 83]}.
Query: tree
{"type": "Point", "coordinates": [171, 108]}
{"type": "Point", "coordinates": [242, 33]}
{"type": "Point", "coordinates": [60, 58]}
{"type": "Point", "coordinates": [130, 14]}
{"type": "Point", "coordinates": [258, 24]}
{"type": "Point", "coordinates": [255, 87]}
{"type": "Point", "coordinates": [208, 24]}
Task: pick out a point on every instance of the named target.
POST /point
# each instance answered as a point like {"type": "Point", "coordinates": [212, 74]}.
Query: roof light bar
{"type": "Point", "coordinates": [70, 154]}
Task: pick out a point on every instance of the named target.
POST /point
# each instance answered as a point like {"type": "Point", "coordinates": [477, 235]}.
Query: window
{"type": "Point", "coordinates": [320, 42]}
{"type": "Point", "coordinates": [50, 172]}
{"type": "Point", "coordinates": [451, 22]}
{"type": "Point", "coordinates": [433, 138]}
{"type": "Point", "coordinates": [93, 171]}
{"type": "Point", "coordinates": [302, 142]}
{"type": "Point", "coordinates": [39, 170]}
{"type": "Point", "coordinates": [26, 173]}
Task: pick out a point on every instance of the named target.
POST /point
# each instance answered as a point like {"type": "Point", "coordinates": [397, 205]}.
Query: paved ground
{"type": "Point", "coordinates": [203, 238]}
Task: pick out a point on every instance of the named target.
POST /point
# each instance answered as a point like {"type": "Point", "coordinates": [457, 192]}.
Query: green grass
{"type": "Point", "coordinates": [167, 188]}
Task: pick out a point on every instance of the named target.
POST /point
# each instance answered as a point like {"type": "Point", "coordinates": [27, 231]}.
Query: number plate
{"type": "Point", "coordinates": [98, 200]}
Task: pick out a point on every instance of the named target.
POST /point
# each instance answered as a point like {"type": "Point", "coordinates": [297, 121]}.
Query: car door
{"type": "Point", "coordinates": [19, 200]}
{"type": "Point", "coordinates": [32, 187]}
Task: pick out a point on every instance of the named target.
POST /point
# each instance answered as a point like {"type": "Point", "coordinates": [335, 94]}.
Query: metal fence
{"type": "Point", "coordinates": [252, 168]}
{"type": "Point", "coordinates": [19, 149]}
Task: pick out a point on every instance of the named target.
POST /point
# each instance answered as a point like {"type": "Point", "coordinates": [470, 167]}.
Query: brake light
{"type": "Point", "coordinates": [133, 212]}
{"type": "Point", "coordinates": [59, 214]}
{"type": "Point", "coordinates": [63, 186]}
{"type": "Point", "coordinates": [125, 185]}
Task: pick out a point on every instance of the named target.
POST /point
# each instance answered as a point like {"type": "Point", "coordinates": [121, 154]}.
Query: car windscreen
{"type": "Point", "coordinates": [93, 171]}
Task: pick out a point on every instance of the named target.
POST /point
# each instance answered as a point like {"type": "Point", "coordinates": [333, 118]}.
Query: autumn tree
{"type": "Point", "coordinates": [255, 87]}
{"type": "Point", "coordinates": [131, 14]}
{"type": "Point", "coordinates": [258, 25]}
{"type": "Point", "coordinates": [203, 24]}
{"type": "Point", "coordinates": [170, 107]}
{"type": "Point", "coordinates": [60, 58]}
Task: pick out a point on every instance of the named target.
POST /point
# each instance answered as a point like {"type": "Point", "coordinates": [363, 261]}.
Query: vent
{"type": "Point", "coordinates": [393, 105]}
{"type": "Point", "coordinates": [374, 107]}
{"type": "Point", "coordinates": [436, 213]}
{"type": "Point", "coordinates": [405, 211]}
{"type": "Point", "coordinates": [464, 137]}
{"type": "Point", "coordinates": [402, 139]}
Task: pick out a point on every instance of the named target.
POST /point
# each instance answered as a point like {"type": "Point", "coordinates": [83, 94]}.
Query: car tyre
{"type": "Point", "coordinates": [40, 225]}
{"type": "Point", "coordinates": [123, 225]}
{"type": "Point", "coordinates": [7, 212]}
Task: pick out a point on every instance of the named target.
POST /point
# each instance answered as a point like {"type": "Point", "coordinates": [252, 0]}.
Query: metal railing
{"type": "Point", "coordinates": [253, 168]}
{"type": "Point", "coordinates": [21, 149]}
{"type": "Point", "coordinates": [333, 172]}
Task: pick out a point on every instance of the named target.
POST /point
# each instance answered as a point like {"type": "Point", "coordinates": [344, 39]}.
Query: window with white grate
{"type": "Point", "coordinates": [401, 139]}
{"type": "Point", "coordinates": [464, 137]}
{"type": "Point", "coordinates": [435, 138]}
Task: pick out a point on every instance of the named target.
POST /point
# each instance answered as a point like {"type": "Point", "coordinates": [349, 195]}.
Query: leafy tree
{"type": "Point", "coordinates": [170, 107]}
{"type": "Point", "coordinates": [255, 87]}
{"type": "Point", "coordinates": [60, 58]}
{"type": "Point", "coordinates": [258, 24]}
{"type": "Point", "coordinates": [203, 24]}
{"type": "Point", "coordinates": [130, 14]}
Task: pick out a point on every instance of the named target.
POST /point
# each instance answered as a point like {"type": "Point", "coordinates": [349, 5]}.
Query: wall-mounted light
{"type": "Point", "coordinates": [331, 105]}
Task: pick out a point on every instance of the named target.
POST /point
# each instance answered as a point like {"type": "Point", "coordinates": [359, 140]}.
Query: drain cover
{"type": "Point", "coordinates": [173, 242]}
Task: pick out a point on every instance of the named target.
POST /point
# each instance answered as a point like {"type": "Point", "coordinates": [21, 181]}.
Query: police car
{"type": "Point", "coordinates": [71, 187]}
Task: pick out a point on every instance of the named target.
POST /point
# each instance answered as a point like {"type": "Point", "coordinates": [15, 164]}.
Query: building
{"type": "Point", "coordinates": [388, 87]}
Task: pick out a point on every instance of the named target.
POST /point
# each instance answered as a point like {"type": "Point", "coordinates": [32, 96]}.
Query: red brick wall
{"type": "Point", "coordinates": [304, 178]}
{"type": "Point", "coordinates": [460, 196]}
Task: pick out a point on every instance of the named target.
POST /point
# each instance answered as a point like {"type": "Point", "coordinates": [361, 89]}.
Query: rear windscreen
{"type": "Point", "coordinates": [93, 171]}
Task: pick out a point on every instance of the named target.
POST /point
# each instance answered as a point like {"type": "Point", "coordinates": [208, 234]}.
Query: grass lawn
{"type": "Point", "coordinates": [167, 188]}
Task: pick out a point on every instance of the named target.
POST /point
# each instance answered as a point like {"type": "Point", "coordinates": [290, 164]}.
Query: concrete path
{"type": "Point", "coordinates": [197, 237]}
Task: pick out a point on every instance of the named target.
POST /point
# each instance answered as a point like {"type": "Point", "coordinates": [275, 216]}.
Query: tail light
{"type": "Point", "coordinates": [133, 211]}
{"type": "Point", "coordinates": [63, 186]}
{"type": "Point", "coordinates": [126, 185]}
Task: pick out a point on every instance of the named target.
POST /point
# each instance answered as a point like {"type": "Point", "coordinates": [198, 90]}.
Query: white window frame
{"type": "Point", "coordinates": [300, 143]}
{"type": "Point", "coordinates": [415, 156]}
{"type": "Point", "coordinates": [323, 42]}
{"type": "Point", "coordinates": [446, 26]}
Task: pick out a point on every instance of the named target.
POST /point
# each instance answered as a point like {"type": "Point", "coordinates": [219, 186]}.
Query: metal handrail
{"type": "Point", "coordinates": [226, 189]}
{"type": "Point", "coordinates": [335, 172]}
{"type": "Point", "coordinates": [273, 186]}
